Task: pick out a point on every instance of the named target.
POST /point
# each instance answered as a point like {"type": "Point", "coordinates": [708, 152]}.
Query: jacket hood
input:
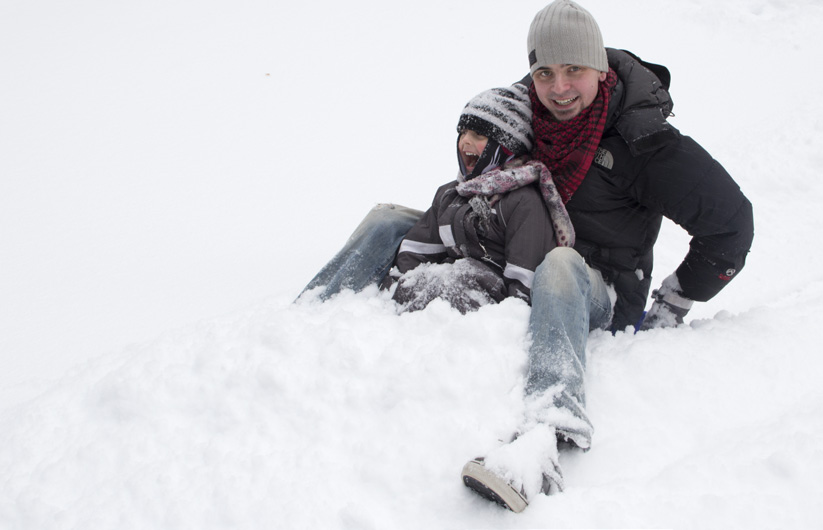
{"type": "Point", "coordinates": [640, 104]}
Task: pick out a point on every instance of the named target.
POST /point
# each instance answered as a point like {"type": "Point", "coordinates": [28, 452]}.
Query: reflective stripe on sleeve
{"type": "Point", "coordinates": [418, 247]}
{"type": "Point", "coordinates": [524, 276]}
{"type": "Point", "coordinates": [446, 235]}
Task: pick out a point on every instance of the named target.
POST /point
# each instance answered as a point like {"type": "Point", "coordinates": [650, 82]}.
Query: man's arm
{"type": "Point", "coordinates": [696, 192]}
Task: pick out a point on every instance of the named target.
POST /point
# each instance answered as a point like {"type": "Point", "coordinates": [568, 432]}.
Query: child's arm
{"type": "Point", "coordinates": [518, 174]}
{"type": "Point", "coordinates": [422, 243]}
{"type": "Point", "coordinates": [529, 236]}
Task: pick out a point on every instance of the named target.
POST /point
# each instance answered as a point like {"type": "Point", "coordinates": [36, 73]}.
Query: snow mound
{"type": "Point", "coordinates": [347, 415]}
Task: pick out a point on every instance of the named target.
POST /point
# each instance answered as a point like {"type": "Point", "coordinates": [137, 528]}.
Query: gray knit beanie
{"type": "Point", "coordinates": [502, 114]}
{"type": "Point", "coordinates": [565, 33]}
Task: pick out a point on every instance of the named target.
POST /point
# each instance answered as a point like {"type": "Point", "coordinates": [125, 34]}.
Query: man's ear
{"type": "Point", "coordinates": [602, 76]}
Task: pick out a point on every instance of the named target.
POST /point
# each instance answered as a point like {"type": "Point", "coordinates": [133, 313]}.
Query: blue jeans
{"type": "Point", "coordinates": [569, 299]}
{"type": "Point", "coordinates": [369, 253]}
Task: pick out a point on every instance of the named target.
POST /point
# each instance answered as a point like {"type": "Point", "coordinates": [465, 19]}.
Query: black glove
{"type": "Point", "coordinates": [390, 279]}
{"type": "Point", "coordinates": [669, 307]}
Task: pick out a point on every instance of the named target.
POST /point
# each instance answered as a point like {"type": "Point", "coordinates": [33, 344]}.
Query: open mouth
{"type": "Point", "coordinates": [565, 102]}
{"type": "Point", "coordinates": [470, 160]}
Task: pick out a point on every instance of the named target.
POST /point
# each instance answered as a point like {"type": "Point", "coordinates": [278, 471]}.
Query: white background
{"type": "Point", "coordinates": [164, 163]}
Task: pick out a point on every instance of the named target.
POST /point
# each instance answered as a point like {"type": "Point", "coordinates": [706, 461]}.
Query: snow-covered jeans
{"type": "Point", "coordinates": [569, 299]}
{"type": "Point", "coordinates": [369, 253]}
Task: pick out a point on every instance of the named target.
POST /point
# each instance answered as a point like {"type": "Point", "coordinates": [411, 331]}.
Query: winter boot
{"type": "Point", "coordinates": [492, 486]}
{"type": "Point", "coordinates": [515, 473]}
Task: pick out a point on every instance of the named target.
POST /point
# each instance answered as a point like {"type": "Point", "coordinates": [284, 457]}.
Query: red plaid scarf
{"type": "Point", "coordinates": [568, 147]}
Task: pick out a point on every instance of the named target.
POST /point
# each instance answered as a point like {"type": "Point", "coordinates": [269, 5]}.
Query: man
{"type": "Point", "coordinates": [599, 118]}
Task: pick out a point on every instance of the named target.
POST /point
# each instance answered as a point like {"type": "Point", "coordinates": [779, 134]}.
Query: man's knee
{"type": "Point", "coordinates": [394, 213]}
{"type": "Point", "coordinates": [561, 260]}
{"type": "Point", "coordinates": [563, 272]}
{"type": "Point", "coordinates": [387, 220]}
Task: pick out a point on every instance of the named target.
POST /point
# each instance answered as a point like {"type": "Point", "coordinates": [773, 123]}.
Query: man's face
{"type": "Point", "coordinates": [566, 89]}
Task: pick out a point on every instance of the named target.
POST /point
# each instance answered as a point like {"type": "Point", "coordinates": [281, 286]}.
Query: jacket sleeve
{"type": "Point", "coordinates": [529, 236]}
{"type": "Point", "coordinates": [422, 243]}
{"type": "Point", "coordinates": [688, 186]}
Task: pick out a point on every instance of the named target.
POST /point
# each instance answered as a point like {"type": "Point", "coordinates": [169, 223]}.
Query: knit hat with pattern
{"type": "Point", "coordinates": [503, 115]}
{"type": "Point", "coordinates": [565, 33]}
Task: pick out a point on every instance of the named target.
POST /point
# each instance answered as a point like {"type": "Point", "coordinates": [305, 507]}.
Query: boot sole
{"type": "Point", "coordinates": [492, 487]}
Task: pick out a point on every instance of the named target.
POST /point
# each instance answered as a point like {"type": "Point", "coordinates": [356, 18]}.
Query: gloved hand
{"type": "Point", "coordinates": [390, 279]}
{"type": "Point", "coordinates": [669, 307]}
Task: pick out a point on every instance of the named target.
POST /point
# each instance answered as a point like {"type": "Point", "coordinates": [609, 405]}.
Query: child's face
{"type": "Point", "coordinates": [471, 145]}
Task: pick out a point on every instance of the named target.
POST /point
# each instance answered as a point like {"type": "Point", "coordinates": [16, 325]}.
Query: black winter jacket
{"type": "Point", "coordinates": [645, 169]}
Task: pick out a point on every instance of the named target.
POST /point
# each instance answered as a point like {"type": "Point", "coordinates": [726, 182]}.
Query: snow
{"type": "Point", "coordinates": [173, 173]}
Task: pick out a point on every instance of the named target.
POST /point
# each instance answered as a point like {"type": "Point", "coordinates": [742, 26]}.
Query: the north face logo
{"type": "Point", "coordinates": [603, 158]}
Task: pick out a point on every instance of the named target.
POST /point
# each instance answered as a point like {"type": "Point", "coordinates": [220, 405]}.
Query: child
{"type": "Point", "coordinates": [493, 242]}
